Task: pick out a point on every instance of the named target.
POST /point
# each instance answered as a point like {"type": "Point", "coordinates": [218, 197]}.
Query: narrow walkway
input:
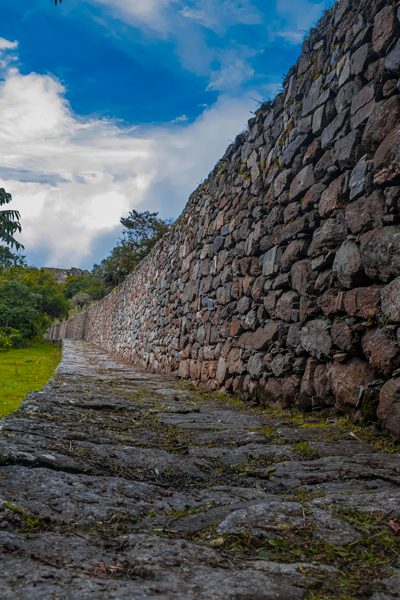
{"type": "Point", "coordinates": [117, 484]}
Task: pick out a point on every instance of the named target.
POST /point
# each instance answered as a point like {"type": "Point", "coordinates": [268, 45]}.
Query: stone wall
{"type": "Point", "coordinates": [281, 279]}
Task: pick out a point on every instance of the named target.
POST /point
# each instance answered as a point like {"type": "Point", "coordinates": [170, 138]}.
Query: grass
{"type": "Point", "coordinates": [25, 370]}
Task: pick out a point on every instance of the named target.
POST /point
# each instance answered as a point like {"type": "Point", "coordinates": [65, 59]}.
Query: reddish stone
{"type": "Point", "coordinates": [286, 306]}
{"type": "Point", "coordinates": [381, 349]}
{"type": "Point", "coordinates": [343, 336]}
{"type": "Point", "coordinates": [387, 158]}
{"type": "Point", "coordinates": [302, 277]}
{"type": "Point", "coordinates": [331, 198]}
{"type": "Point", "coordinates": [312, 153]}
{"type": "Point", "coordinates": [312, 197]}
{"type": "Point", "coordinates": [308, 308]}
{"type": "Point", "coordinates": [380, 253]}
{"type": "Point", "coordinates": [383, 119]}
{"type": "Point", "coordinates": [294, 252]}
{"type": "Point", "coordinates": [322, 385]}
{"type": "Point", "coordinates": [279, 392]}
{"type": "Point", "coordinates": [234, 362]}
{"type": "Point", "coordinates": [390, 296]}
{"type": "Point", "coordinates": [330, 302]}
{"type": "Point", "coordinates": [235, 327]}
{"type": "Point", "coordinates": [346, 380]}
{"type": "Point", "coordinates": [365, 213]}
{"type": "Point", "coordinates": [362, 302]}
{"type": "Point", "coordinates": [389, 406]}
{"type": "Point", "coordinates": [247, 283]}
{"type": "Point", "coordinates": [257, 289]}
{"type": "Point", "coordinates": [183, 370]}
{"type": "Point", "coordinates": [385, 28]}
{"type": "Point", "coordinates": [245, 339]}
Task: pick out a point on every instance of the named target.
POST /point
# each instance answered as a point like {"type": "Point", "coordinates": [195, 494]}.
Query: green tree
{"type": "Point", "coordinates": [29, 300]}
{"type": "Point", "coordinates": [9, 259]}
{"type": "Point", "coordinates": [142, 230]}
{"type": "Point", "coordinates": [9, 222]}
{"type": "Point", "coordinates": [89, 283]}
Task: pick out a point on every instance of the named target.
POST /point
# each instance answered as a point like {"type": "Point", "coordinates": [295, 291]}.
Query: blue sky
{"type": "Point", "coordinates": [108, 105]}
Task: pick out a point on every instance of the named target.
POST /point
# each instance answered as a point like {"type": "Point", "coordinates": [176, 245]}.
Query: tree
{"type": "Point", "coordinates": [29, 300]}
{"type": "Point", "coordinates": [141, 232]}
{"type": "Point", "coordinates": [9, 260]}
{"type": "Point", "coordinates": [9, 222]}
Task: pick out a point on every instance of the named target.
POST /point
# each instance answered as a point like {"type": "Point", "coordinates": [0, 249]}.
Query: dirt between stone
{"type": "Point", "coordinates": [119, 484]}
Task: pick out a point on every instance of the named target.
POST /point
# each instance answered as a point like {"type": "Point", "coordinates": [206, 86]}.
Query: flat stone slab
{"type": "Point", "coordinates": [115, 483]}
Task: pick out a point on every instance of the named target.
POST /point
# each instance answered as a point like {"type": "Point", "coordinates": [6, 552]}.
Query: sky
{"type": "Point", "coordinates": [110, 105]}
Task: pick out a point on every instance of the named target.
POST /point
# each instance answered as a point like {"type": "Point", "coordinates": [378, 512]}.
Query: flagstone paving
{"type": "Point", "coordinates": [120, 484]}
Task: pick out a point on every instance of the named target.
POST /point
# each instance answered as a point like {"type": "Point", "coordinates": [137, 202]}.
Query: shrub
{"type": "Point", "coordinates": [9, 338]}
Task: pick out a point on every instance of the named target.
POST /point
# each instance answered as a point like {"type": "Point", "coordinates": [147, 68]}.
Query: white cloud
{"type": "Point", "coordinates": [146, 13]}
{"type": "Point", "coordinates": [7, 45]}
{"type": "Point", "coordinates": [184, 22]}
{"type": "Point", "coordinates": [234, 71]}
{"type": "Point", "coordinates": [219, 15]}
{"type": "Point", "coordinates": [298, 17]}
{"type": "Point", "coordinates": [73, 178]}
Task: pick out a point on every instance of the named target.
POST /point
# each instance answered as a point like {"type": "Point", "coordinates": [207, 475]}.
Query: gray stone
{"type": "Point", "coordinates": [380, 253]}
{"type": "Point", "coordinates": [348, 265]}
{"type": "Point", "coordinates": [358, 178]}
{"type": "Point", "coordinates": [389, 405]}
{"type": "Point", "coordinates": [392, 61]}
{"type": "Point", "coordinates": [302, 182]}
{"type": "Point", "coordinates": [290, 152]}
{"type": "Point", "coordinates": [270, 261]}
{"type": "Point", "coordinates": [310, 101]}
{"type": "Point", "coordinates": [330, 133]}
{"type": "Point", "coordinates": [331, 234]}
{"type": "Point", "coordinates": [359, 58]}
{"type": "Point", "coordinates": [346, 147]}
{"type": "Point", "coordinates": [316, 339]}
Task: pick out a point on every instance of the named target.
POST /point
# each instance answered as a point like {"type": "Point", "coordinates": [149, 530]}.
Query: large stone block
{"type": "Point", "coordinates": [329, 236]}
{"type": "Point", "coordinates": [315, 338]}
{"type": "Point", "coordinates": [389, 405]}
{"type": "Point", "coordinates": [363, 302]}
{"type": "Point", "coordinates": [365, 213]}
{"type": "Point", "coordinates": [347, 381]}
{"type": "Point", "coordinates": [302, 277]}
{"type": "Point", "coordinates": [302, 182]}
{"type": "Point", "coordinates": [381, 349]}
{"type": "Point", "coordinates": [385, 28]}
{"type": "Point", "coordinates": [383, 119]}
{"type": "Point", "coordinates": [348, 265]}
{"type": "Point", "coordinates": [390, 298]}
{"type": "Point", "coordinates": [387, 158]}
{"type": "Point", "coordinates": [332, 197]}
{"type": "Point", "coordinates": [380, 253]}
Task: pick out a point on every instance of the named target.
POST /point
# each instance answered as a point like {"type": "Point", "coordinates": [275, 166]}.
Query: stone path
{"type": "Point", "coordinates": [117, 484]}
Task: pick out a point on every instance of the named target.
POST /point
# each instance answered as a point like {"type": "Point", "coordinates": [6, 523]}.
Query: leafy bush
{"type": "Point", "coordinates": [29, 300]}
{"type": "Point", "coordinates": [9, 338]}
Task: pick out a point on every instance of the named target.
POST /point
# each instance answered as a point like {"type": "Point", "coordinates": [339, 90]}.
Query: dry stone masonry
{"type": "Point", "coordinates": [281, 279]}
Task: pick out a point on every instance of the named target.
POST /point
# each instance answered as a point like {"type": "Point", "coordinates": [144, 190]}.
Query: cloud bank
{"type": "Point", "coordinates": [73, 178]}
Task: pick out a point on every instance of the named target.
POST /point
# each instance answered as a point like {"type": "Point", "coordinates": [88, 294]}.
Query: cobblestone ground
{"type": "Point", "coordinates": [118, 484]}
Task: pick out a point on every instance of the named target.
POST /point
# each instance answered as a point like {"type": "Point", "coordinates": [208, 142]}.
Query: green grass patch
{"type": "Point", "coordinates": [25, 370]}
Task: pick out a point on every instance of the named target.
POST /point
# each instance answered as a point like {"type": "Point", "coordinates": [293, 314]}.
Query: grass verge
{"type": "Point", "coordinates": [25, 370]}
